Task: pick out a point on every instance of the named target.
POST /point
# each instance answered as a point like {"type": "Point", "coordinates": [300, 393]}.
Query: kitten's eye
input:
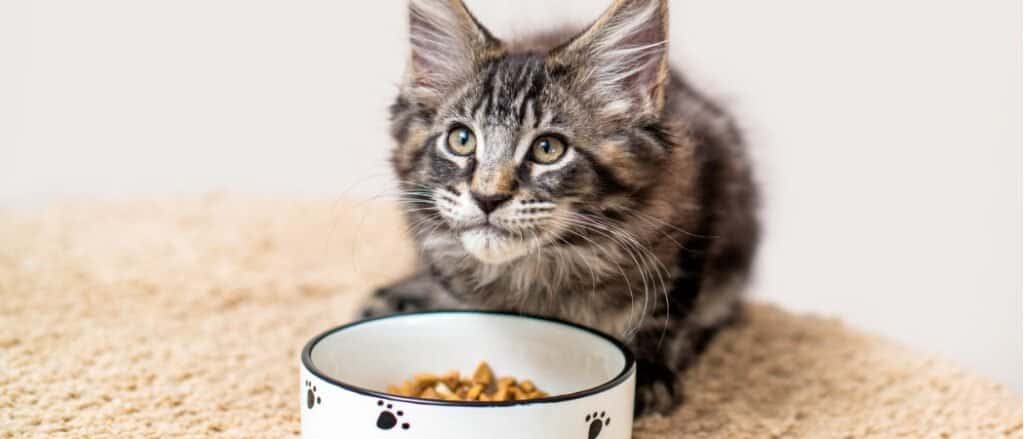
{"type": "Point", "coordinates": [547, 150]}
{"type": "Point", "coordinates": [461, 141]}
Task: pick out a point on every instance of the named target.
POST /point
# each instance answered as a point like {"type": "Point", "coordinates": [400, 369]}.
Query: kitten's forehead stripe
{"type": "Point", "coordinates": [514, 84]}
{"type": "Point", "coordinates": [483, 98]}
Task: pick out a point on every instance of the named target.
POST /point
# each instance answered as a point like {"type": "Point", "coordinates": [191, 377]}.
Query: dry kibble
{"type": "Point", "coordinates": [428, 379]}
{"type": "Point", "coordinates": [446, 392]}
{"type": "Point", "coordinates": [483, 374]}
{"type": "Point", "coordinates": [474, 392]}
{"type": "Point", "coordinates": [451, 379]}
{"type": "Point", "coordinates": [503, 386]}
{"type": "Point", "coordinates": [515, 394]}
{"type": "Point", "coordinates": [413, 388]}
{"type": "Point", "coordinates": [481, 386]}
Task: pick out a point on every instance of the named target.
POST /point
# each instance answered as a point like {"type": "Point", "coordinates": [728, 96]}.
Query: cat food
{"type": "Point", "coordinates": [481, 386]}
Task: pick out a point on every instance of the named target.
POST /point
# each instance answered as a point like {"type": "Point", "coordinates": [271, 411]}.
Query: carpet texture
{"type": "Point", "coordinates": [185, 317]}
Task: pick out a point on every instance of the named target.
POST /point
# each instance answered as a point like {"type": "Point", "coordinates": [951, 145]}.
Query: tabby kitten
{"type": "Point", "coordinates": [576, 177]}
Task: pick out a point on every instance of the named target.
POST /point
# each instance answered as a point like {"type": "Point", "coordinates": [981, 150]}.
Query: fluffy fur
{"type": "Point", "coordinates": [645, 228]}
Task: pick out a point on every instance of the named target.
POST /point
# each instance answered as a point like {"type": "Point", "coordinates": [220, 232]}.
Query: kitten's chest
{"type": "Point", "coordinates": [591, 289]}
{"type": "Point", "coordinates": [584, 310]}
{"type": "Point", "coordinates": [608, 306]}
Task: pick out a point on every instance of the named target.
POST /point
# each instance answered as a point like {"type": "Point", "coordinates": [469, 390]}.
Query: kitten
{"type": "Point", "coordinates": [576, 177]}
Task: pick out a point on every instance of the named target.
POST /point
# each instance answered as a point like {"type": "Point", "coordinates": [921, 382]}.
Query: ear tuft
{"type": "Point", "coordinates": [623, 56]}
{"type": "Point", "coordinates": [447, 44]}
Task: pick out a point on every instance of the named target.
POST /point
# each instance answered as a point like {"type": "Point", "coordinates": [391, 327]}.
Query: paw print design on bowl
{"type": "Point", "coordinates": [312, 399]}
{"type": "Point", "coordinates": [389, 418]}
{"type": "Point", "coordinates": [597, 421]}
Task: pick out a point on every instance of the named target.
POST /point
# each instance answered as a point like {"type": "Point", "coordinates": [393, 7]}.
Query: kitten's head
{"type": "Point", "coordinates": [509, 148]}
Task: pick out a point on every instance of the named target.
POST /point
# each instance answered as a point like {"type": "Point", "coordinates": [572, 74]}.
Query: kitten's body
{"type": "Point", "coordinates": [648, 233]}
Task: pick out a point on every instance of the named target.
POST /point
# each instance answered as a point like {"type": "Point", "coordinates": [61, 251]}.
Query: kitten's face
{"type": "Point", "coordinates": [508, 162]}
{"type": "Point", "coordinates": [515, 152]}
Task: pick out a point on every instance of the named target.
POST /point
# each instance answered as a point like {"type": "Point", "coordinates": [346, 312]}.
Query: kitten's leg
{"type": "Point", "coordinates": [416, 293]}
{"type": "Point", "coordinates": [656, 387]}
{"type": "Point", "coordinates": [660, 366]}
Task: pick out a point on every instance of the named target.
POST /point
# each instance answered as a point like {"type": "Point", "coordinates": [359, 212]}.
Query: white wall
{"type": "Point", "coordinates": [888, 133]}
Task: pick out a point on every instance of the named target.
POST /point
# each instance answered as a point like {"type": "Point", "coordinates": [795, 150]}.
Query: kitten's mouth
{"type": "Point", "coordinates": [487, 228]}
{"type": "Point", "coordinates": [491, 244]}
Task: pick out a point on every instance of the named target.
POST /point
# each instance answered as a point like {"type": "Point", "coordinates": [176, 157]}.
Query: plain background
{"type": "Point", "coordinates": [887, 133]}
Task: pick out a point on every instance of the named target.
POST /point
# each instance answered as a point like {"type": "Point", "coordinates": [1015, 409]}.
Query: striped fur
{"type": "Point", "coordinates": [646, 228]}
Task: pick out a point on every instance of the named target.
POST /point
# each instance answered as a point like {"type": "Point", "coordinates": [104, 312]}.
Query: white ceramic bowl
{"type": "Point", "coordinates": [590, 375]}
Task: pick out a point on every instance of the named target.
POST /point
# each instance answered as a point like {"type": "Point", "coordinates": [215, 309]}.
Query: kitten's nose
{"type": "Point", "coordinates": [490, 202]}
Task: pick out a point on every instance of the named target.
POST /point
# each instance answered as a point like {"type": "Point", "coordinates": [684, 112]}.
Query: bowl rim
{"type": "Point", "coordinates": [628, 367]}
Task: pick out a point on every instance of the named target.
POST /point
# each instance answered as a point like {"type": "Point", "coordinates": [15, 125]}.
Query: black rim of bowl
{"type": "Point", "coordinates": [627, 368]}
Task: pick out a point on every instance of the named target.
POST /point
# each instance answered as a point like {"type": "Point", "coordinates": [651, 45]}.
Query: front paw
{"type": "Point", "coordinates": [657, 389]}
{"type": "Point", "coordinates": [655, 398]}
{"type": "Point", "coordinates": [387, 301]}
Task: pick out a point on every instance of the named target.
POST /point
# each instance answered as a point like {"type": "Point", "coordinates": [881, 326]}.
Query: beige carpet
{"type": "Point", "coordinates": [185, 317]}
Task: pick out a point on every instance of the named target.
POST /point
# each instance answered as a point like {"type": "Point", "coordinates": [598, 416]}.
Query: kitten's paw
{"type": "Point", "coordinates": [658, 397]}
{"type": "Point", "coordinates": [387, 301]}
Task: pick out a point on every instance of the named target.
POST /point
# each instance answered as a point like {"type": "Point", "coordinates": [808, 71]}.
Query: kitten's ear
{"type": "Point", "coordinates": [447, 42]}
{"type": "Point", "coordinates": [623, 56]}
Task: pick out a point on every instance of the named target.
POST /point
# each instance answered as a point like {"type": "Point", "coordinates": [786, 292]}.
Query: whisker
{"type": "Point", "coordinates": [640, 269]}
{"type": "Point", "coordinates": [625, 277]}
{"type": "Point", "coordinates": [636, 250]}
